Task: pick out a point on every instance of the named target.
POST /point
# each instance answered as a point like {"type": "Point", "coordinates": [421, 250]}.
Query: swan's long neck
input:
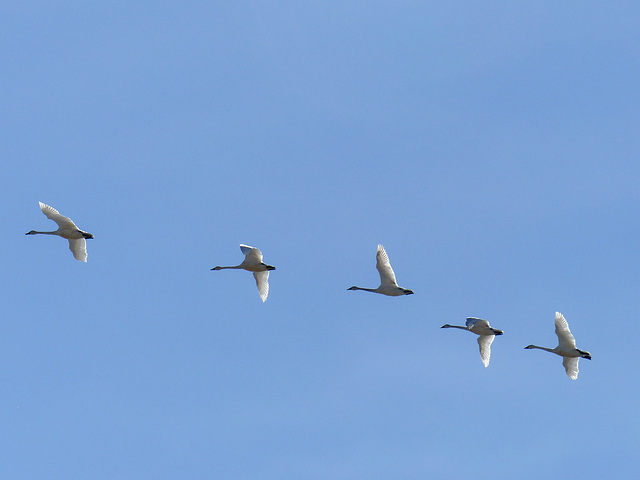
{"type": "Point", "coordinates": [365, 289]}
{"type": "Point", "coordinates": [541, 348]}
{"type": "Point", "coordinates": [235, 267]}
{"type": "Point", "coordinates": [34, 232]}
{"type": "Point", "coordinates": [455, 326]}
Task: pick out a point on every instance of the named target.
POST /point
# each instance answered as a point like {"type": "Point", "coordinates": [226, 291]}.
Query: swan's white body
{"type": "Point", "coordinates": [566, 348]}
{"type": "Point", "coordinates": [486, 335]}
{"type": "Point", "coordinates": [66, 229]}
{"type": "Point", "coordinates": [253, 263]}
{"type": "Point", "coordinates": [388, 284]}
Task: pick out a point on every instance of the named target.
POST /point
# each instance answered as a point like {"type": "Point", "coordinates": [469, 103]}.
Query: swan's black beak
{"type": "Point", "coordinates": [269, 267]}
{"type": "Point", "coordinates": [87, 235]}
{"type": "Point", "coordinates": [408, 292]}
{"type": "Point", "coordinates": [498, 332]}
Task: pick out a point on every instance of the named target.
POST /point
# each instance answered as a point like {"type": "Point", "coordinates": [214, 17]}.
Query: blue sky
{"type": "Point", "coordinates": [491, 147]}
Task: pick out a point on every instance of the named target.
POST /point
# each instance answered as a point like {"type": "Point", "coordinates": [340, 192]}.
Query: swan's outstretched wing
{"type": "Point", "coordinates": [471, 321]}
{"type": "Point", "coordinates": [262, 281]}
{"type": "Point", "coordinates": [387, 277]}
{"type": "Point", "coordinates": [485, 341]}
{"type": "Point", "coordinates": [478, 323]}
{"type": "Point", "coordinates": [78, 247]}
{"type": "Point", "coordinates": [571, 366]}
{"type": "Point", "coordinates": [479, 326]}
{"type": "Point", "coordinates": [565, 339]}
{"type": "Point", "coordinates": [252, 255]}
{"type": "Point", "coordinates": [53, 214]}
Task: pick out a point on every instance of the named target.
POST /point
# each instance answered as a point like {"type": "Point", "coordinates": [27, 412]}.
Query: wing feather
{"type": "Point", "coordinates": [476, 322]}
{"type": "Point", "coordinates": [566, 341]}
{"type": "Point", "coordinates": [571, 366]}
{"type": "Point", "coordinates": [252, 254]}
{"type": "Point", "coordinates": [53, 214]}
{"type": "Point", "coordinates": [387, 277]}
{"type": "Point", "coordinates": [78, 247]}
{"type": "Point", "coordinates": [485, 341]}
{"type": "Point", "coordinates": [479, 326]}
{"type": "Point", "coordinates": [262, 281]}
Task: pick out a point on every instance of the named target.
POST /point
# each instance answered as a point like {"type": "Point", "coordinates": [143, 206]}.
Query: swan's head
{"type": "Point", "coordinates": [529, 346]}
{"type": "Point", "coordinates": [269, 267]}
{"type": "Point", "coordinates": [446, 325]}
{"type": "Point", "coordinates": [87, 235]}
{"type": "Point", "coordinates": [406, 291]}
{"type": "Point", "coordinates": [350, 288]}
{"type": "Point", "coordinates": [32, 232]}
{"type": "Point", "coordinates": [497, 332]}
{"type": "Point", "coordinates": [584, 354]}
{"type": "Point", "coordinates": [216, 268]}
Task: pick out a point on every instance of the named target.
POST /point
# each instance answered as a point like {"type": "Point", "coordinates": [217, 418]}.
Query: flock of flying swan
{"type": "Point", "coordinates": [388, 286]}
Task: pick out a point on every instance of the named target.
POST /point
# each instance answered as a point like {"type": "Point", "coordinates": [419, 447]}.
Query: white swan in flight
{"type": "Point", "coordinates": [566, 348]}
{"type": "Point", "coordinates": [388, 284]}
{"type": "Point", "coordinates": [66, 229]}
{"type": "Point", "coordinates": [486, 335]}
{"type": "Point", "coordinates": [253, 263]}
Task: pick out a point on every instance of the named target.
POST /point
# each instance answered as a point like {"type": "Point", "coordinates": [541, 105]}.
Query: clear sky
{"type": "Point", "coordinates": [491, 147]}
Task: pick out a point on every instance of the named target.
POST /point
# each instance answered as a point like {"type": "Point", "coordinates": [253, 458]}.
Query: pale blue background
{"type": "Point", "coordinates": [492, 147]}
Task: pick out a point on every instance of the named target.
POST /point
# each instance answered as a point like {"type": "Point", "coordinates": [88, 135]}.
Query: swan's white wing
{"type": "Point", "coordinates": [571, 366]}
{"type": "Point", "coordinates": [53, 214]}
{"type": "Point", "coordinates": [479, 326]}
{"type": "Point", "coordinates": [485, 341]}
{"type": "Point", "coordinates": [387, 277]}
{"type": "Point", "coordinates": [78, 247]}
{"type": "Point", "coordinates": [252, 255]}
{"type": "Point", "coordinates": [565, 339]}
{"type": "Point", "coordinates": [471, 321]}
{"type": "Point", "coordinates": [477, 322]}
{"type": "Point", "coordinates": [262, 281]}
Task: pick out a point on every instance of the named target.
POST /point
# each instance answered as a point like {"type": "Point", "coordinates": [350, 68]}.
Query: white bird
{"type": "Point", "coordinates": [253, 263]}
{"type": "Point", "coordinates": [66, 229]}
{"type": "Point", "coordinates": [388, 284]}
{"type": "Point", "coordinates": [566, 348]}
{"type": "Point", "coordinates": [486, 335]}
